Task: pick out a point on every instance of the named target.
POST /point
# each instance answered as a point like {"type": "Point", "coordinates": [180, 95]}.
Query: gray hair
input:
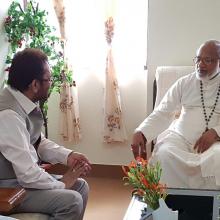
{"type": "Point", "coordinates": [213, 43]}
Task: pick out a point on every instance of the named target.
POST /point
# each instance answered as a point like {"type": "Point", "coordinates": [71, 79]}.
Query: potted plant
{"type": "Point", "coordinates": [145, 181]}
{"type": "Point", "coordinates": [28, 28]}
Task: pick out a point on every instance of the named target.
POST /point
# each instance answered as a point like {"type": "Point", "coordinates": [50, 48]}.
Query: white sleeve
{"type": "Point", "coordinates": [16, 148]}
{"type": "Point", "coordinates": [52, 152]}
{"type": "Point", "coordinates": [217, 129]}
{"type": "Point", "coordinates": [160, 119]}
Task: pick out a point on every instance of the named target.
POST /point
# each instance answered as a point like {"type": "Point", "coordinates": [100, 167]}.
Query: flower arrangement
{"type": "Point", "coordinates": [145, 180]}
{"type": "Point", "coordinates": [28, 28]}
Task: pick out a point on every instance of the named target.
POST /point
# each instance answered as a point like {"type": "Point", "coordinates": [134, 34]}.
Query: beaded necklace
{"type": "Point", "coordinates": [207, 119]}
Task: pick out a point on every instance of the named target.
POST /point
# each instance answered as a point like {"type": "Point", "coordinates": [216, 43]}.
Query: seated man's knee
{"type": "Point", "coordinates": [82, 187]}
{"type": "Point", "coordinates": [163, 151]}
{"type": "Point", "coordinates": [85, 186]}
{"type": "Point", "coordinates": [73, 202]}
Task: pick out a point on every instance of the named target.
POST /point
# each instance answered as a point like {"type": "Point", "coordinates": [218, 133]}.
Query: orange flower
{"type": "Point", "coordinates": [141, 160]}
{"type": "Point", "coordinates": [132, 165]}
{"type": "Point", "coordinates": [144, 179]}
{"type": "Point", "coordinates": [154, 186]}
{"type": "Point", "coordinates": [161, 187]}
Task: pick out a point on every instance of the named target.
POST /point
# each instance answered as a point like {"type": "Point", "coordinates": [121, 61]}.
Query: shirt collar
{"type": "Point", "coordinates": [215, 79]}
{"type": "Point", "coordinates": [23, 100]}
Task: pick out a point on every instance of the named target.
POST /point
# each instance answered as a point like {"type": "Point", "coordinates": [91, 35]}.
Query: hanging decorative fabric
{"type": "Point", "coordinates": [69, 125]}
{"type": "Point", "coordinates": [59, 8]}
{"type": "Point", "coordinates": [69, 113]}
{"type": "Point", "coordinates": [114, 129]}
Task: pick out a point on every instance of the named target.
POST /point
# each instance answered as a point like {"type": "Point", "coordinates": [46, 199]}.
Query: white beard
{"type": "Point", "coordinates": [207, 77]}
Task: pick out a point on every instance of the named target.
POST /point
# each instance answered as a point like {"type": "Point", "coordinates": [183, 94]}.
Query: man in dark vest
{"type": "Point", "coordinates": [22, 144]}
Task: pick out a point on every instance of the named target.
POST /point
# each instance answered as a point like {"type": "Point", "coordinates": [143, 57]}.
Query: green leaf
{"type": "Point", "coordinates": [31, 25]}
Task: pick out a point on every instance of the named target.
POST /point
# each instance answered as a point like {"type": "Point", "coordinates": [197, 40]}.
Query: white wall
{"type": "Point", "coordinates": [176, 28]}
{"type": "Point", "coordinates": [91, 97]}
{"type": "Point", "coordinates": [91, 114]}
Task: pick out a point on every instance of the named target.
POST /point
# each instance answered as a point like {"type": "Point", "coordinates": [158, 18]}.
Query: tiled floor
{"type": "Point", "coordinates": [108, 199]}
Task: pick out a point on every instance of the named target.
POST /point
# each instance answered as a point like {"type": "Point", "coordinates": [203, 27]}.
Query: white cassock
{"type": "Point", "coordinates": [182, 166]}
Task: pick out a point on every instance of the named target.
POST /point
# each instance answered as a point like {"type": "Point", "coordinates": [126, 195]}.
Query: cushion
{"type": "Point", "coordinates": [166, 76]}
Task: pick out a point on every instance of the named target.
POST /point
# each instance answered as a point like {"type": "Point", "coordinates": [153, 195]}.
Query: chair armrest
{"type": "Point", "coordinates": [10, 197]}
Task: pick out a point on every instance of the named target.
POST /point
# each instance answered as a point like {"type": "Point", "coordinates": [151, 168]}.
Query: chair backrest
{"type": "Point", "coordinates": [166, 76]}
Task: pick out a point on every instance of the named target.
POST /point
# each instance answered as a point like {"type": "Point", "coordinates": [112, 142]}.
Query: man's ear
{"type": "Point", "coordinates": [35, 86]}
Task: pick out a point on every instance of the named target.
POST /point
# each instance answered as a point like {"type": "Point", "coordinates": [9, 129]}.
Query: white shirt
{"type": "Point", "coordinates": [184, 95]}
{"type": "Point", "coordinates": [15, 146]}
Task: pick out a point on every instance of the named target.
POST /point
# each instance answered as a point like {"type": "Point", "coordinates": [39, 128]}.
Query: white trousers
{"type": "Point", "coordinates": [182, 167]}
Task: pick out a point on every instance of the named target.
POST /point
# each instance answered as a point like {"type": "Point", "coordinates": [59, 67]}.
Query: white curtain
{"type": "Point", "coordinates": [69, 114]}
{"type": "Point", "coordinates": [69, 123]}
{"type": "Point", "coordinates": [87, 47]}
{"type": "Point", "coordinates": [114, 128]}
{"type": "Point", "coordinates": [87, 50]}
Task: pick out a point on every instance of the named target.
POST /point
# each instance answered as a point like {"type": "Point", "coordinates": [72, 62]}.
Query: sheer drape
{"type": "Point", "coordinates": [69, 123]}
{"type": "Point", "coordinates": [114, 128]}
{"type": "Point", "coordinates": [88, 48]}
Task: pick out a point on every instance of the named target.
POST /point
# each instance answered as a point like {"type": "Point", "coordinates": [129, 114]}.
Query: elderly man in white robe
{"type": "Point", "coordinates": [189, 154]}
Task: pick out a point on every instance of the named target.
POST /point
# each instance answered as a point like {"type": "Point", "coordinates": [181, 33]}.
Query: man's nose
{"type": "Point", "coordinates": [201, 63]}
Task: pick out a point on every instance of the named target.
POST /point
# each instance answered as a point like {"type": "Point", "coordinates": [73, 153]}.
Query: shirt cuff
{"type": "Point", "coordinates": [63, 155]}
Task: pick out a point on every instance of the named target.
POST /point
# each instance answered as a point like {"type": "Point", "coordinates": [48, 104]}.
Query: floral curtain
{"type": "Point", "coordinates": [69, 126]}
{"type": "Point", "coordinates": [69, 113]}
{"type": "Point", "coordinates": [114, 129]}
{"type": "Point", "coordinates": [60, 12]}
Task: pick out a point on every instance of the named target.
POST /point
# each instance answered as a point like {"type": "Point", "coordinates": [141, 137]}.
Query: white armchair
{"type": "Point", "coordinates": [164, 78]}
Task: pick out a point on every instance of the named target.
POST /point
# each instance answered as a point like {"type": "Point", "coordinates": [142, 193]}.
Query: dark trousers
{"type": "Point", "coordinates": [191, 207]}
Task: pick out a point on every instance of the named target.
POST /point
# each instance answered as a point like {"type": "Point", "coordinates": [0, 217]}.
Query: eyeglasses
{"type": "Point", "coordinates": [205, 60]}
{"type": "Point", "coordinates": [51, 79]}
